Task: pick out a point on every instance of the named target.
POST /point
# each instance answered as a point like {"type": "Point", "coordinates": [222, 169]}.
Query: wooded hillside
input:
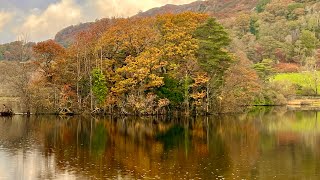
{"type": "Point", "coordinates": [220, 9]}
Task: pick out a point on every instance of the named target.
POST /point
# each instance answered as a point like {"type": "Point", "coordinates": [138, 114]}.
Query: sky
{"type": "Point", "coordinates": [39, 20]}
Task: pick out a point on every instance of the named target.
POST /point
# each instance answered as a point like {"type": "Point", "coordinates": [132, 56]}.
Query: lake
{"type": "Point", "coordinates": [268, 144]}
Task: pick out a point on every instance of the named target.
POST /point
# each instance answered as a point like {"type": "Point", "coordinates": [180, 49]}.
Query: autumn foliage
{"type": "Point", "coordinates": [153, 65]}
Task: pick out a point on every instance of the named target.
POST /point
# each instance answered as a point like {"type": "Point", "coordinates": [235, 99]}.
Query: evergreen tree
{"type": "Point", "coordinates": [99, 87]}
{"type": "Point", "coordinates": [212, 55]}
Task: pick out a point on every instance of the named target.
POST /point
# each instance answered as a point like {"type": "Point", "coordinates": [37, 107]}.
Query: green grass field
{"type": "Point", "coordinates": [303, 80]}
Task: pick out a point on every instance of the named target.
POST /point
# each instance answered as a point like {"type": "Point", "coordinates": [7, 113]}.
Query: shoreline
{"type": "Point", "coordinates": [295, 103]}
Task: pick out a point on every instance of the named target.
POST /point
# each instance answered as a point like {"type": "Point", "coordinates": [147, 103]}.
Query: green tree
{"type": "Point", "coordinates": [171, 90]}
{"type": "Point", "coordinates": [262, 5]}
{"type": "Point", "coordinates": [212, 55]}
{"type": "Point", "coordinates": [264, 68]}
{"type": "Point", "coordinates": [309, 41]}
{"type": "Point", "coordinates": [99, 87]}
{"type": "Point", "coordinates": [253, 27]}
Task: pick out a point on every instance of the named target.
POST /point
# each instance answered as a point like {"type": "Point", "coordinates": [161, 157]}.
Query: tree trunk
{"type": "Point", "coordinates": [91, 96]}
{"type": "Point", "coordinates": [207, 99]}
{"type": "Point", "coordinates": [186, 93]}
{"type": "Point", "coordinates": [78, 78]}
{"type": "Point", "coordinates": [101, 60]}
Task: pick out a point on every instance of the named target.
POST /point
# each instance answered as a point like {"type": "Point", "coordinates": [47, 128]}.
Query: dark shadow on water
{"type": "Point", "coordinates": [173, 137]}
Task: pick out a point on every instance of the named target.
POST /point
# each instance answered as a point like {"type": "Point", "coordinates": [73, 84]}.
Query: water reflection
{"type": "Point", "coordinates": [276, 144]}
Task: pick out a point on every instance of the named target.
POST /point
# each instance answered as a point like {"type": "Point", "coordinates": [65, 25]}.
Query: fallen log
{"type": "Point", "coordinates": [65, 112]}
{"type": "Point", "coordinates": [6, 113]}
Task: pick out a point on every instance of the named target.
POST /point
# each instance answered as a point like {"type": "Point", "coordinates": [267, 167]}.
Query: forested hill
{"type": "Point", "coordinates": [221, 9]}
{"type": "Point", "coordinates": [66, 36]}
{"type": "Point", "coordinates": [16, 51]}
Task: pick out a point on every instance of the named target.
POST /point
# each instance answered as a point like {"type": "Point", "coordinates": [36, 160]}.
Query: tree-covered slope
{"type": "Point", "coordinates": [219, 8]}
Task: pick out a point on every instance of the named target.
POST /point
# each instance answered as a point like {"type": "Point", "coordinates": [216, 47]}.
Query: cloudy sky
{"type": "Point", "coordinates": [42, 19]}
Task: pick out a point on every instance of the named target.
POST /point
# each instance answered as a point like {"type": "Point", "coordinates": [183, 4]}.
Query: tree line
{"type": "Point", "coordinates": [139, 66]}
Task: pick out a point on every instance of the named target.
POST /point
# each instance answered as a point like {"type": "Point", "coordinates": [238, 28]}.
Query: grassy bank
{"type": "Point", "coordinates": [305, 83]}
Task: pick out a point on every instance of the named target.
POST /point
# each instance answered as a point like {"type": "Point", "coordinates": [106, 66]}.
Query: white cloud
{"type": "Point", "coordinates": [5, 18]}
{"type": "Point", "coordinates": [44, 25]}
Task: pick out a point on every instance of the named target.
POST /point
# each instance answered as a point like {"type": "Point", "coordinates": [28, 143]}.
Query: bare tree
{"type": "Point", "coordinates": [18, 74]}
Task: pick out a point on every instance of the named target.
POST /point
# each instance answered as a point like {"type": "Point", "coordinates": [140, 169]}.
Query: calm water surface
{"type": "Point", "coordinates": [275, 144]}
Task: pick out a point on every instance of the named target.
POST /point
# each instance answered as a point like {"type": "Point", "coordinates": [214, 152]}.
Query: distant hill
{"type": "Point", "coordinates": [219, 8]}
{"type": "Point", "coordinates": [16, 51]}
{"type": "Point", "coordinates": [67, 35]}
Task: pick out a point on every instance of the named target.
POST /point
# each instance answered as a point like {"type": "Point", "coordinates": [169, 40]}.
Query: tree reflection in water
{"type": "Point", "coordinates": [274, 143]}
